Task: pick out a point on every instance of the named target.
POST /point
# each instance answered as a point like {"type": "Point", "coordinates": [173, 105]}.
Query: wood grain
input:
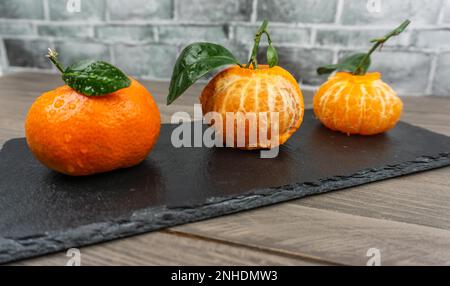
{"type": "Point", "coordinates": [407, 218]}
{"type": "Point", "coordinates": [329, 235]}
{"type": "Point", "coordinates": [421, 199]}
{"type": "Point", "coordinates": [165, 248]}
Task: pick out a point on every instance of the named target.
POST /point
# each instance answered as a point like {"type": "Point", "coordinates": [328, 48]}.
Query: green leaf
{"type": "Point", "coordinates": [263, 27]}
{"type": "Point", "coordinates": [272, 56]}
{"type": "Point", "coordinates": [195, 61]}
{"type": "Point", "coordinates": [349, 64]}
{"type": "Point", "coordinates": [399, 29]}
{"type": "Point", "coordinates": [95, 78]}
{"type": "Point", "coordinates": [358, 64]}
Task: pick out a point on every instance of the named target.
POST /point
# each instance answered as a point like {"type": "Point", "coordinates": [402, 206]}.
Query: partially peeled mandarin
{"type": "Point", "coordinates": [260, 91]}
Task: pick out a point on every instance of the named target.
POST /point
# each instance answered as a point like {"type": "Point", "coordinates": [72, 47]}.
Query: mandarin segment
{"type": "Point", "coordinates": [258, 91]}
{"type": "Point", "coordinates": [357, 104]}
{"type": "Point", "coordinates": [79, 135]}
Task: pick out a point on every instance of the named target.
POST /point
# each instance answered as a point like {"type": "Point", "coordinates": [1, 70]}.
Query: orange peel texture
{"type": "Point", "coordinates": [82, 135]}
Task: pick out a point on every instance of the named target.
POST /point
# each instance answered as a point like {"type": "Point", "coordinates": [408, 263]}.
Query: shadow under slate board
{"type": "Point", "coordinates": [42, 211]}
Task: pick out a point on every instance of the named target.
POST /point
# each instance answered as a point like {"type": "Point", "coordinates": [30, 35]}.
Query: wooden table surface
{"type": "Point", "coordinates": [406, 218]}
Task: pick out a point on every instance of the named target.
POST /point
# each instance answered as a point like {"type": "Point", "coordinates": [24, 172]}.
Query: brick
{"type": "Point", "coordinates": [216, 11]}
{"type": "Point", "coordinates": [22, 9]}
{"type": "Point", "coordinates": [392, 12]}
{"type": "Point", "coordinates": [357, 38]}
{"type": "Point", "coordinates": [153, 60]}
{"type": "Point", "coordinates": [301, 62]}
{"type": "Point", "coordinates": [140, 9]}
{"type": "Point", "coordinates": [432, 38]}
{"type": "Point", "coordinates": [27, 53]}
{"type": "Point", "coordinates": [14, 28]}
{"type": "Point", "coordinates": [399, 68]}
{"type": "Point", "coordinates": [92, 10]}
{"type": "Point", "coordinates": [279, 35]}
{"type": "Point", "coordinates": [406, 72]}
{"type": "Point", "coordinates": [192, 33]}
{"type": "Point", "coordinates": [441, 84]}
{"type": "Point", "coordinates": [65, 31]}
{"type": "Point", "coordinates": [128, 33]}
{"type": "Point", "coordinates": [241, 52]}
{"type": "Point", "coordinates": [71, 52]}
{"type": "Point", "coordinates": [446, 13]}
{"type": "Point", "coordinates": [300, 11]}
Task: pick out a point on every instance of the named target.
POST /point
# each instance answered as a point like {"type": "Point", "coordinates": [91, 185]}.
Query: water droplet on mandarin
{"type": "Point", "coordinates": [58, 103]}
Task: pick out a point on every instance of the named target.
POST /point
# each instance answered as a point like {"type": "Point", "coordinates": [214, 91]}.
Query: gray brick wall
{"type": "Point", "coordinates": [143, 37]}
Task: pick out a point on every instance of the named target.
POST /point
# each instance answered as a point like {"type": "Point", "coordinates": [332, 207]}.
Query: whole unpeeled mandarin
{"type": "Point", "coordinates": [79, 135]}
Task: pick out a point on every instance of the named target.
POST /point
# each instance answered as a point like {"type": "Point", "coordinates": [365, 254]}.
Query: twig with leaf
{"type": "Point", "coordinates": [359, 63]}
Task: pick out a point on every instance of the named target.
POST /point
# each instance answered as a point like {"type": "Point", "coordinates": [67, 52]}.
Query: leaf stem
{"type": "Point", "coordinates": [360, 69]}
{"type": "Point", "coordinates": [262, 30]}
{"type": "Point", "coordinates": [53, 56]}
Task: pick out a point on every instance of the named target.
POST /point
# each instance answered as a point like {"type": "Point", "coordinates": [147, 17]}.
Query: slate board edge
{"type": "Point", "coordinates": [141, 221]}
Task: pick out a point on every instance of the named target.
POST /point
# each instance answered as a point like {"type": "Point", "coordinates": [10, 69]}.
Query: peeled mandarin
{"type": "Point", "coordinates": [357, 104]}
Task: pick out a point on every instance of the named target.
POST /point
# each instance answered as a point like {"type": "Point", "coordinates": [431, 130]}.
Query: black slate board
{"type": "Point", "coordinates": [42, 211]}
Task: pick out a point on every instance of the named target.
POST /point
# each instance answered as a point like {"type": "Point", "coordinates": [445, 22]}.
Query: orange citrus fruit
{"type": "Point", "coordinates": [357, 104]}
{"type": "Point", "coordinates": [82, 135]}
{"type": "Point", "coordinates": [259, 91]}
